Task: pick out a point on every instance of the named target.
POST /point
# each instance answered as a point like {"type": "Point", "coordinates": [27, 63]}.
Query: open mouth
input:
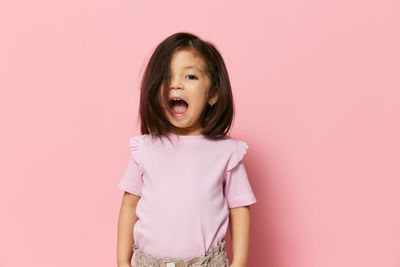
{"type": "Point", "coordinates": [178, 107]}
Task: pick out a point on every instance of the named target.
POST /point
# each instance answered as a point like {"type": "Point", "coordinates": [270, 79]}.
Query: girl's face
{"type": "Point", "coordinates": [189, 82]}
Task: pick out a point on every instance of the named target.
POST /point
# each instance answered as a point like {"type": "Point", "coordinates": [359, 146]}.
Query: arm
{"type": "Point", "coordinates": [240, 233]}
{"type": "Point", "coordinates": [126, 221]}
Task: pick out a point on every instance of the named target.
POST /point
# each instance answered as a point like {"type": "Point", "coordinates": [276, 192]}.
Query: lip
{"type": "Point", "coordinates": [178, 115]}
{"type": "Point", "coordinates": [179, 97]}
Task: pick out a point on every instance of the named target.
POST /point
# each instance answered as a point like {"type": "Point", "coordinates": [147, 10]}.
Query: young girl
{"type": "Point", "coordinates": [185, 178]}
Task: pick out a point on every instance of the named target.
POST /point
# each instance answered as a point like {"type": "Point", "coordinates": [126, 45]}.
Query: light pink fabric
{"type": "Point", "coordinates": [186, 188]}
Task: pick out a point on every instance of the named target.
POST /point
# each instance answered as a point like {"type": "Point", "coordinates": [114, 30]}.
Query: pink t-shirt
{"type": "Point", "coordinates": [186, 188]}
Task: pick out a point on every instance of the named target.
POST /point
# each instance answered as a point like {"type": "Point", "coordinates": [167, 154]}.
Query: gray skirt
{"type": "Point", "coordinates": [215, 257]}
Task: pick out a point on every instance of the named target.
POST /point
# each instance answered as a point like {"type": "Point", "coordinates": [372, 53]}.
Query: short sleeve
{"type": "Point", "coordinates": [237, 188]}
{"type": "Point", "coordinates": [132, 179]}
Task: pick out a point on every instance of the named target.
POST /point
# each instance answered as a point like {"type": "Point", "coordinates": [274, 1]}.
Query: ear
{"type": "Point", "coordinates": [214, 99]}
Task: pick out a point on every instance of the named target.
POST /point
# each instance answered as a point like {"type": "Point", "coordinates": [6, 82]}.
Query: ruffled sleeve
{"type": "Point", "coordinates": [135, 145]}
{"type": "Point", "coordinates": [132, 179]}
{"type": "Point", "coordinates": [238, 154]}
{"type": "Point", "coordinates": [237, 188]}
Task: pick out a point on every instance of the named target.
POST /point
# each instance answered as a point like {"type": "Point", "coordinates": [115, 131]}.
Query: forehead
{"type": "Point", "coordinates": [187, 59]}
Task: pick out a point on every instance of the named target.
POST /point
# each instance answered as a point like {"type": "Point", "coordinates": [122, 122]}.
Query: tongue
{"type": "Point", "coordinates": [179, 107]}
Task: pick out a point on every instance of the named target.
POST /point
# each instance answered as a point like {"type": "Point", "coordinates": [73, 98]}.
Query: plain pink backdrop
{"type": "Point", "coordinates": [316, 88]}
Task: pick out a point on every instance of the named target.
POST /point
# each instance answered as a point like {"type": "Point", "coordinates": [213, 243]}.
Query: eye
{"type": "Point", "coordinates": [192, 76]}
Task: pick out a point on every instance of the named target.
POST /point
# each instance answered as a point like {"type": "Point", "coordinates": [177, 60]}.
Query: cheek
{"type": "Point", "coordinates": [200, 94]}
{"type": "Point", "coordinates": [200, 100]}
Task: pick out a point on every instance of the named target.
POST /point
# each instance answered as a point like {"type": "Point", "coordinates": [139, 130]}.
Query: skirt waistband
{"type": "Point", "coordinates": [142, 258]}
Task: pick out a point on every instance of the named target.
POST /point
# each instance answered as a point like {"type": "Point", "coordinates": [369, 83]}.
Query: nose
{"type": "Point", "coordinates": [176, 83]}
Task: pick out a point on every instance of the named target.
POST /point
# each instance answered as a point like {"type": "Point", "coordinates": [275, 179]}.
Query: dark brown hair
{"type": "Point", "coordinates": [216, 119]}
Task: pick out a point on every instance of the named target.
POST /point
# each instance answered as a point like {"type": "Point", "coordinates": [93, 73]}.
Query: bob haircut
{"type": "Point", "coordinates": [216, 120]}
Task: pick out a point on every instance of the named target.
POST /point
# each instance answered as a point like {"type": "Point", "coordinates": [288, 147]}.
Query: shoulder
{"type": "Point", "coordinates": [143, 142]}
{"type": "Point", "coordinates": [138, 140]}
{"type": "Point", "coordinates": [236, 145]}
{"type": "Point", "coordinates": [238, 149]}
{"type": "Point", "coordinates": [135, 141]}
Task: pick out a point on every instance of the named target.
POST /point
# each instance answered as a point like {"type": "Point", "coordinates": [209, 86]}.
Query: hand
{"type": "Point", "coordinates": [237, 265]}
{"type": "Point", "coordinates": [125, 265]}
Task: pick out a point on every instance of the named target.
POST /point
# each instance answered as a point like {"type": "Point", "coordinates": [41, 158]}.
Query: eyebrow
{"type": "Point", "coordinates": [193, 67]}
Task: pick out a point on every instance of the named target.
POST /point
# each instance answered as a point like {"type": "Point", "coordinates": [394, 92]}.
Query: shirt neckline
{"type": "Point", "coordinates": [187, 137]}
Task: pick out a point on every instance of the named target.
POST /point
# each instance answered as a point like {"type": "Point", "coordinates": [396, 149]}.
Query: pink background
{"type": "Point", "coordinates": [316, 87]}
